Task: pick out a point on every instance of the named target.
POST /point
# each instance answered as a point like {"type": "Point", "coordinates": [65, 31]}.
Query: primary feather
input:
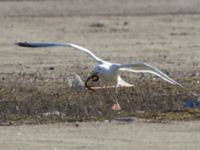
{"type": "Point", "coordinates": [52, 44]}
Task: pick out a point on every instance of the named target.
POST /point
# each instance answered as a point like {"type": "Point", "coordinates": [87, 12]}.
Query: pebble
{"type": "Point", "coordinates": [77, 124]}
{"type": "Point", "coordinates": [75, 82]}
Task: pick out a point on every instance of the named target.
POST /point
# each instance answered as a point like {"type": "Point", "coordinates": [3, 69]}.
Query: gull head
{"type": "Point", "coordinates": [94, 77]}
{"type": "Point", "coordinates": [98, 70]}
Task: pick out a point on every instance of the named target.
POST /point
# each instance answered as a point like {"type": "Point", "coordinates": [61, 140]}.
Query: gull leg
{"type": "Point", "coordinates": [116, 106]}
{"type": "Point", "coordinates": [116, 94]}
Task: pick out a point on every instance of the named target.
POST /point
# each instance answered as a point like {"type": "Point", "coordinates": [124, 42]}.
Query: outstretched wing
{"type": "Point", "coordinates": [141, 67]}
{"type": "Point", "coordinates": [52, 44]}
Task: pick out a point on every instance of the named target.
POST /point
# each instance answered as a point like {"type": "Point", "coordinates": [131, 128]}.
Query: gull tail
{"type": "Point", "coordinates": [121, 82]}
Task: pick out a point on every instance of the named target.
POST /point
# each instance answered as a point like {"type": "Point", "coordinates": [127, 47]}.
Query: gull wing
{"type": "Point", "coordinates": [141, 67]}
{"type": "Point", "coordinates": [52, 44]}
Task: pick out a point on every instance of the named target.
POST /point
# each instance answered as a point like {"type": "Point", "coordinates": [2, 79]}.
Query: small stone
{"type": "Point", "coordinates": [106, 121]}
{"type": "Point", "coordinates": [125, 23]}
{"type": "Point", "coordinates": [54, 113]}
{"type": "Point", "coordinates": [51, 68]}
{"type": "Point", "coordinates": [77, 124]}
{"type": "Point", "coordinates": [75, 82]}
{"type": "Point", "coordinates": [97, 25]}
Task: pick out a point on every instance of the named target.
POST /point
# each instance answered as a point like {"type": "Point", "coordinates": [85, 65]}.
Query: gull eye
{"type": "Point", "coordinates": [99, 69]}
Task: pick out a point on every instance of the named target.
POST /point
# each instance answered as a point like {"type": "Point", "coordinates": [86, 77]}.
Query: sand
{"type": "Point", "coordinates": [111, 136]}
{"type": "Point", "coordinates": [97, 7]}
{"type": "Point", "coordinates": [170, 43]}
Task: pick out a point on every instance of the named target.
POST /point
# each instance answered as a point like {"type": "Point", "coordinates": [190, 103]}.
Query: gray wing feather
{"type": "Point", "coordinates": [52, 44]}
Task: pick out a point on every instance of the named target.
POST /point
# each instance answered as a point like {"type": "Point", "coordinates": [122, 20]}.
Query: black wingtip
{"type": "Point", "coordinates": [17, 43]}
{"type": "Point", "coordinates": [36, 44]}
{"type": "Point", "coordinates": [24, 44]}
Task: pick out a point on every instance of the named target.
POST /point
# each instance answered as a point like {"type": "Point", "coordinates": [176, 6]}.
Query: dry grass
{"type": "Point", "coordinates": [35, 99]}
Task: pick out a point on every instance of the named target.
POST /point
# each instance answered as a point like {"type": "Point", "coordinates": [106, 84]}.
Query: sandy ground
{"type": "Point", "coordinates": [168, 42]}
{"type": "Point", "coordinates": [111, 136]}
{"type": "Point", "coordinates": [97, 7]}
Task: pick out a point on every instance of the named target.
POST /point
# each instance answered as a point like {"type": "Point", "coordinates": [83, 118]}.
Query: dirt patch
{"type": "Point", "coordinates": [96, 7]}
{"type": "Point", "coordinates": [169, 43]}
{"type": "Point", "coordinates": [111, 136]}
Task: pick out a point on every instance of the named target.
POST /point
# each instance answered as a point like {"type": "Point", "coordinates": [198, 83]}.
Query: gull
{"type": "Point", "coordinates": [109, 72]}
